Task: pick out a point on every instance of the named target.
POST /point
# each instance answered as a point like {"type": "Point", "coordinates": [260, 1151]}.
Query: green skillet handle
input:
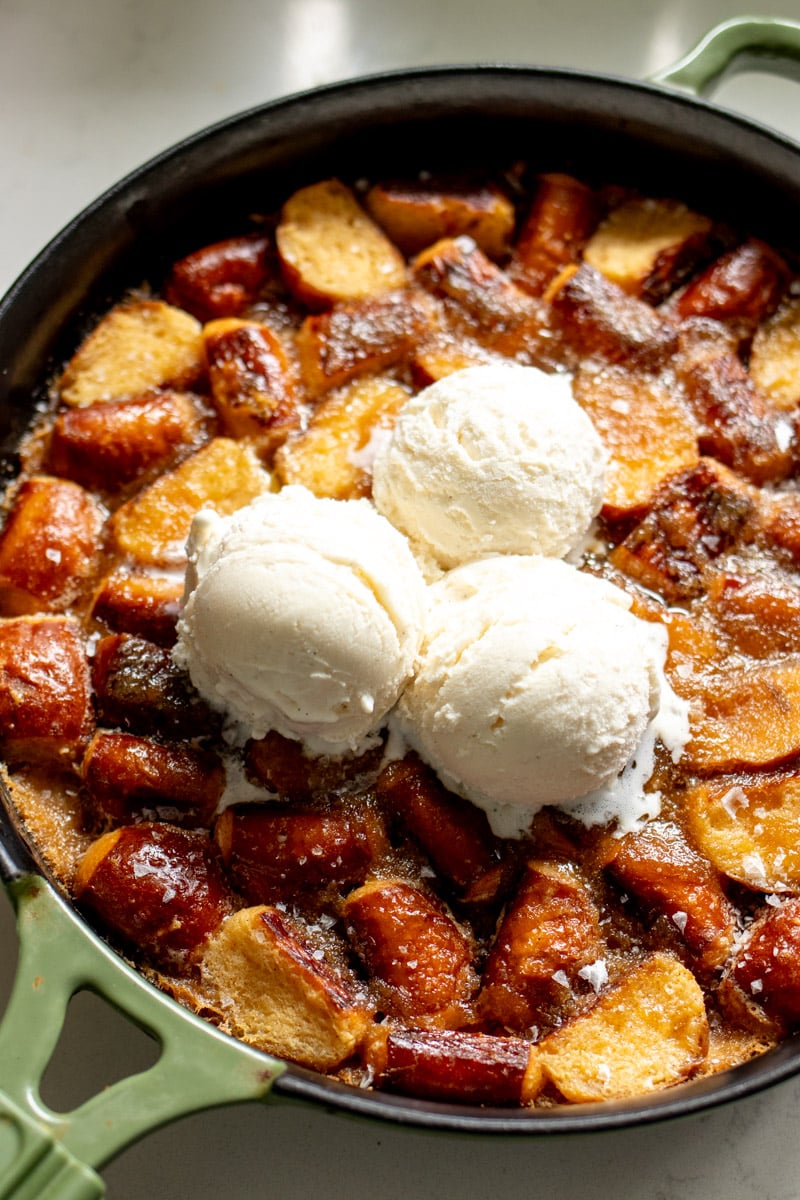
{"type": "Point", "coordinates": [743, 43]}
{"type": "Point", "coordinates": [46, 1155]}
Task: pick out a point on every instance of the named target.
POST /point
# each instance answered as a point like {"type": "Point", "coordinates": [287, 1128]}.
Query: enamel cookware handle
{"type": "Point", "coordinates": [46, 1155]}
{"type": "Point", "coordinates": [743, 43]}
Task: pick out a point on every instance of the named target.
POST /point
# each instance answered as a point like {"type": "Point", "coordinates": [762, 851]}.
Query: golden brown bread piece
{"type": "Point", "coordinates": [415, 215]}
{"type": "Point", "coordinates": [278, 995]}
{"type": "Point", "coordinates": [333, 455]}
{"type": "Point", "coordinates": [152, 528]}
{"type": "Point", "coordinates": [137, 347]}
{"type": "Point", "coordinates": [647, 245]}
{"type": "Point", "coordinates": [330, 249]}
{"type": "Point", "coordinates": [49, 546]}
{"type": "Point", "coordinates": [45, 695]}
{"type": "Point", "coordinates": [648, 1032]}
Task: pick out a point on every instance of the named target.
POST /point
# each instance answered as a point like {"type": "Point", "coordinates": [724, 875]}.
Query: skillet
{"type": "Point", "coordinates": [660, 136]}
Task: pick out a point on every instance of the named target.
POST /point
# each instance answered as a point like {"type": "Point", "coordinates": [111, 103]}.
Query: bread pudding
{"type": "Point", "coordinates": [346, 900]}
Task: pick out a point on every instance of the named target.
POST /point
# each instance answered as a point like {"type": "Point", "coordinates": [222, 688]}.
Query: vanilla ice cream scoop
{"type": "Point", "coordinates": [302, 615]}
{"type": "Point", "coordinates": [535, 686]}
{"type": "Point", "coordinates": [491, 459]}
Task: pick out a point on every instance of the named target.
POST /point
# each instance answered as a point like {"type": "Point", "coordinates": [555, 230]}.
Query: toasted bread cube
{"type": "Point", "coordinates": [128, 777]}
{"type": "Point", "coordinates": [694, 517]}
{"type": "Point", "coordinates": [415, 215]}
{"type": "Point", "coordinates": [282, 766]}
{"type": "Point", "coordinates": [742, 286]}
{"type": "Point", "coordinates": [330, 249]}
{"type": "Point", "coordinates": [279, 994]}
{"type": "Point", "coordinates": [775, 355]}
{"type": "Point", "coordinates": [562, 216]}
{"type": "Point", "coordinates": [137, 347]}
{"type": "Point", "coordinates": [153, 526]}
{"type": "Point", "coordinates": [746, 717]}
{"type": "Point", "coordinates": [648, 1032]}
{"type": "Point", "coordinates": [668, 876]}
{"type": "Point", "coordinates": [107, 446]}
{"type": "Point", "coordinates": [759, 613]}
{"type": "Point", "coordinates": [767, 966]}
{"type": "Point", "coordinates": [48, 546]}
{"type": "Point", "coordinates": [747, 827]}
{"type": "Point", "coordinates": [333, 455]}
{"type": "Point", "coordinates": [419, 959]}
{"type": "Point", "coordinates": [159, 888]}
{"type": "Point", "coordinates": [737, 423]}
{"type": "Point", "coordinates": [145, 605]}
{"type": "Point", "coordinates": [550, 931]}
{"type": "Point", "coordinates": [446, 354]}
{"type": "Point", "coordinates": [483, 302]}
{"type": "Point", "coordinates": [222, 279]}
{"type": "Point", "coordinates": [647, 432]}
{"type": "Point", "coordinates": [454, 834]}
{"type": "Point", "coordinates": [45, 694]}
{"type": "Point", "coordinates": [362, 337]}
{"type": "Point", "coordinates": [277, 852]}
{"type": "Point", "coordinates": [598, 320]}
{"type": "Point", "coordinates": [137, 686]}
{"type": "Point", "coordinates": [451, 1064]}
{"type": "Point", "coordinates": [252, 383]}
{"type": "Point", "coordinates": [647, 246]}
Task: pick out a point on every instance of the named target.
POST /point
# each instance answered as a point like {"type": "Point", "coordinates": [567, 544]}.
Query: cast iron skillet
{"type": "Point", "coordinates": [599, 128]}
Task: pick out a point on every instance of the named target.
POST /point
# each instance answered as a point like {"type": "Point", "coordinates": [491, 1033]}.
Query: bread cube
{"type": "Point", "coordinates": [48, 546]}
{"type": "Point", "coordinates": [418, 957]}
{"type": "Point", "coordinates": [694, 517]}
{"type": "Point", "coordinates": [484, 303]}
{"type": "Point", "coordinates": [563, 214]}
{"type": "Point", "coordinates": [281, 765]}
{"type": "Point", "coordinates": [137, 347]}
{"type": "Point", "coordinates": [252, 382]}
{"type": "Point", "coordinates": [600, 321]}
{"type": "Point", "coordinates": [138, 687]}
{"type": "Point", "coordinates": [128, 778]}
{"type": "Point", "coordinates": [767, 965]}
{"type": "Point", "coordinates": [454, 834]}
{"type": "Point", "coordinates": [415, 215]}
{"type": "Point", "coordinates": [647, 1033]}
{"type": "Point", "coordinates": [459, 1066]}
{"type": "Point", "coordinates": [333, 455]}
{"type": "Point", "coordinates": [443, 355]}
{"type": "Point", "coordinates": [758, 613]}
{"type": "Point", "coordinates": [745, 717]}
{"type": "Point", "coordinates": [144, 605]}
{"type": "Point", "coordinates": [362, 338]}
{"type": "Point", "coordinates": [660, 868]}
{"type": "Point", "coordinates": [278, 993]}
{"type": "Point", "coordinates": [775, 355]}
{"type": "Point", "coordinates": [743, 287]}
{"type": "Point", "coordinates": [647, 433]}
{"type": "Point", "coordinates": [107, 446]}
{"type": "Point", "coordinates": [746, 825]}
{"type": "Point", "coordinates": [158, 888]}
{"type": "Point", "coordinates": [551, 929]}
{"type": "Point", "coordinates": [331, 250]}
{"type": "Point", "coordinates": [279, 852]}
{"type": "Point", "coordinates": [648, 246]}
{"type": "Point", "coordinates": [45, 694]}
{"type": "Point", "coordinates": [222, 279]}
{"type": "Point", "coordinates": [153, 526]}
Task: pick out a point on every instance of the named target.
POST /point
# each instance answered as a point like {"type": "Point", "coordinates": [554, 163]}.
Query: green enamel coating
{"type": "Point", "coordinates": [743, 43]}
{"type": "Point", "coordinates": [49, 1155]}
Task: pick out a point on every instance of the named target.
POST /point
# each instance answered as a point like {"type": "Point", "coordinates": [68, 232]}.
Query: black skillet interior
{"type": "Point", "coordinates": [601, 129]}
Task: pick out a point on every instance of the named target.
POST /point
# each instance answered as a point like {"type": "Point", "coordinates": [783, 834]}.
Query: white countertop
{"type": "Point", "coordinates": [88, 90]}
